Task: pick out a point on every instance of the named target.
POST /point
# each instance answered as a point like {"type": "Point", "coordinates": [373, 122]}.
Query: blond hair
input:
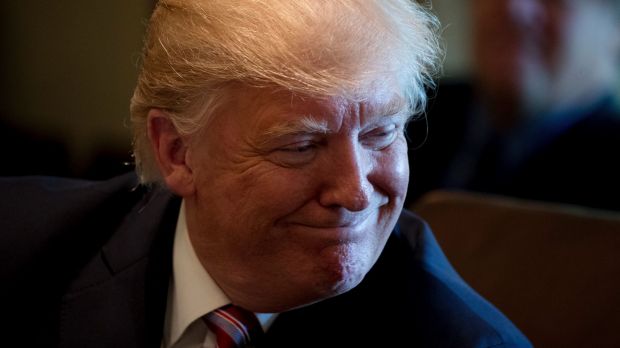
{"type": "Point", "coordinates": [196, 49]}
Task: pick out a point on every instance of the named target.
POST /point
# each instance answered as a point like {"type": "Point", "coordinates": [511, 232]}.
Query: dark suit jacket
{"type": "Point", "coordinates": [88, 265]}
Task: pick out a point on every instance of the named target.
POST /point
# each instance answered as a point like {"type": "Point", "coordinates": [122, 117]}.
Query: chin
{"type": "Point", "coordinates": [343, 271]}
{"type": "Point", "coordinates": [322, 283]}
{"type": "Point", "coordinates": [346, 285]}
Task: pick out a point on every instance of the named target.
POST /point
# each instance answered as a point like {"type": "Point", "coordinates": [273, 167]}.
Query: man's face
{"type": "Point", "coordinates": [540, 54]}
{"type": "Point", "coordinates": [296, 197]}
{"type": "Point", "coordinates": [516, 43]}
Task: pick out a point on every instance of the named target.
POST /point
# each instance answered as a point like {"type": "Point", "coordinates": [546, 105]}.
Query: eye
{"type": "Point", "coordinates": [381, 137]}
{"type": "Point", "coordinates": [296, 154]}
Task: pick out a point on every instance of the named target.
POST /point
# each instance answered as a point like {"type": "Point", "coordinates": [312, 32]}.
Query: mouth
{"type": "Point", "coordinates": [327, 225]}
{"type": "Point", "coordinates": [338, 230]}
{"type": "Point", "coordinates": [335, 220]}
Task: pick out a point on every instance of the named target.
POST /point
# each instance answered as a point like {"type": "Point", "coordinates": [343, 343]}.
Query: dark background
{"type": "Point", "coordinates": [67, 71]}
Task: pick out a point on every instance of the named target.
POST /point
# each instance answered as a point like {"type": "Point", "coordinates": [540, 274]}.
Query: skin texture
{"type": "Point", "coordinates": [289, 199]}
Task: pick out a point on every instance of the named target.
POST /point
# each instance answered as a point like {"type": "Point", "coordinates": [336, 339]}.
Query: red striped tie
{"type": "Point", "coordinates": [234, 327]}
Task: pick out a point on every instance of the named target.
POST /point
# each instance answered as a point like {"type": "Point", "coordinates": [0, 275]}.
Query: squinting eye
{"type": "Point", "coordinates": [380, 138]}
{"type": "Point", "coordinates": [294, 154]}
{"type": "Point", "coordinates": [298, 148]}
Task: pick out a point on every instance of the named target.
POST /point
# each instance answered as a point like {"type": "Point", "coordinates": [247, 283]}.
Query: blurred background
{"type": "Point", "coordinates": [528, 104]}
{"type": "Point", "coordinates": [67, 71]}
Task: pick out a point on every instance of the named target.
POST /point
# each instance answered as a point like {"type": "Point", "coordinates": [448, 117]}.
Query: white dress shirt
{"type": "Point", "coordinates": [192, 293]}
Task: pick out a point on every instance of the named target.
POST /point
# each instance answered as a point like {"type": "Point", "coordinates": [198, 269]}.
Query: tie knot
{"type": "Point", "coordinates": [234, 327]}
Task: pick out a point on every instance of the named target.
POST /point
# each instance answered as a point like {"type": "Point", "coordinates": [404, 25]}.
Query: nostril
{"type": "Point", "coordinates": [356, 203]}
{"type": "Point", "coordinates": [361, 198]}
{"type": "Point", "coordinates": [353, 196]}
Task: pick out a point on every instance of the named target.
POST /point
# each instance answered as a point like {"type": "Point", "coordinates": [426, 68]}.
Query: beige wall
{"type": "Point", "coordinates": [68, 69]}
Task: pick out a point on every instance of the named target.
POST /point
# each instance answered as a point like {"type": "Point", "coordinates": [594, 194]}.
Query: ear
{"type": "Point", "coordinates": [170, 150]}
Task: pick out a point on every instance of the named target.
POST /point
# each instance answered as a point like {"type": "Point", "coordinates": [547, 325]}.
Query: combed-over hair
{"type": "Point", "coordinates": [196, 49]}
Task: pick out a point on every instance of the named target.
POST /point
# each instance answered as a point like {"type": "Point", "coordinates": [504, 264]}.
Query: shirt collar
{"type": "Point", "coordinates": [193, 293]}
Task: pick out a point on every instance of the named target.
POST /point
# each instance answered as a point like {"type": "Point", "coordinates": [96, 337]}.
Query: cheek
{"type": "Point", "coordinates": [265, 195]}
{"type": "Point", "coordinates": [242, 220]}
{"type": "Point", "coordinates": [391, 172]}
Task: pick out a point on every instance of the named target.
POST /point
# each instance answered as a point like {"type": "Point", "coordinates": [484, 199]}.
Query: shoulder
{"type": "Point", "coordinates": [41, 214]}
{"type": "Point", "coordinates": [35, 187]}
{"type": "Point", "coordinates": [50, 195]}
{"type": "Point", "coordinates": [86, 243]}
{"type": "Point", "coordinates": [447, 311]}
{"type": "Point", "coordinates": [37, 204]}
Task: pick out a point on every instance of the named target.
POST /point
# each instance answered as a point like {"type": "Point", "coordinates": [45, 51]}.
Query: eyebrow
{"type": "Point", "coordinates": [307, 124]}
{"type": "Point", "coordinates": [396, 105]}
{"type": "Point", "coordinates": [304, 124]}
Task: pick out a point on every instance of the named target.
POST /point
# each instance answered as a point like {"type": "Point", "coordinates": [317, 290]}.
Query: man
{"type": "Point", "coordinates": [277, 130]}
{"type": "Point", "coordinates": [542, 119]}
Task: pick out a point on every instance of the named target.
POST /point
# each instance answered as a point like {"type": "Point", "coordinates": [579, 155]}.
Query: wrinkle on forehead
{"type": "Point", "coordinates": [304, 113]}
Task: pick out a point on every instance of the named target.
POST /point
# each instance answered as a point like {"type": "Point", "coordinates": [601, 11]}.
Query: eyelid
{"type": "Point", "coordinates": [296, 145]}
{"type": "Point", "coordinates": [294, 154]}
{"type": "Point", "coordinates": [381, 136]}
{"type": "Point", "coordinates": [297, 138]}
{"type": "Point", "coordinates": [399, 119]}
{"type": "Point", "coordinates": [383, 128]}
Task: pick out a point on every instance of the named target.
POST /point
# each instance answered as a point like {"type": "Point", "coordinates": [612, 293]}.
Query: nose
{"type": "Point", "coordinates": [346, 182]}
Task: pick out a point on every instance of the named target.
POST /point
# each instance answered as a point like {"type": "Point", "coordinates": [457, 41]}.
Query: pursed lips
{"type": "Point", "coordinates": [335, 219]}
{"type": "Point", "coordinates": [343, 227]}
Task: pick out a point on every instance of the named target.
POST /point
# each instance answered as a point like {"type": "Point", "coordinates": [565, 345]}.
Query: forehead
{"type": "Point", "coordinates": [255, 116]}
{"type": "Point", "coordinates": [259, 103]}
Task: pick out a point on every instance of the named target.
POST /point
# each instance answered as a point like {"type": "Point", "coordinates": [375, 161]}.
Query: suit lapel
{"type": "Point", "coordinates": [119, 298]}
